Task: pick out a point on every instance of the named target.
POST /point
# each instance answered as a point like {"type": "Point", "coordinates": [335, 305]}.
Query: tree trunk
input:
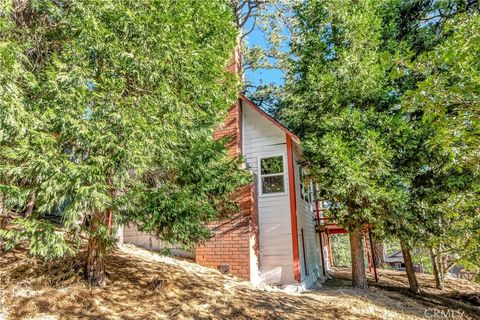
{"type": "Point", "coordinates": [436, 272]}
{"type": "Point", "coordinates": [407, 259]}
{"type": "Point", "coordinates": [445, 267]}
{"type": "Point", "coordinates": [359, 277]}
{"type": "Point", "coordinates": [95, 257]}
{"type": "Point", "coordinates": [3, 219]}
{"type": "Point", "coordinates": [30, 205]}
{"type": "Point", "coordinates": [441, 266]}
{"type": "Point", "coordinates": [378, 251]}
{"type": "Point", "coordinates": [3, 225]}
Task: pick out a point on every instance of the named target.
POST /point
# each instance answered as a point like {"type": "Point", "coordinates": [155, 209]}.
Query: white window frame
{"type": "Point", "coordinates": [311, 192]}
{"type": "Point", "coordinates": [306, 191]}
{"type": "Point", "coordinates": [301, 182]}
{"type": "Point", "coordinates": [284, 174]}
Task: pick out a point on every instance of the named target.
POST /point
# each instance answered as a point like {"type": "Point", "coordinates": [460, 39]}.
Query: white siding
{"type": "Point", "coordinates": [305, 221]}
{"type": "Point", "coordinates": [145, 240]}
{"type": "Point", "coordinates": [261, 139]}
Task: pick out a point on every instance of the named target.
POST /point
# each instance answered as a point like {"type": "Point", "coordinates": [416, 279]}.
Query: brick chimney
{"type": "Point", "coordinates": [232, 124]}
{"type": "Point", "coordinates": [233, 249]}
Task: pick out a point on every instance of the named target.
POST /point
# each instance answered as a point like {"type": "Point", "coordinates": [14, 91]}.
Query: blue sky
{"type": "Point", "coordinates": [265, 76]}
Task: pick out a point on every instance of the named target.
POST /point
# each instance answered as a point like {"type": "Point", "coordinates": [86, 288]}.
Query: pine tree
{"type": "Point", "coordinates": [14, 120]}
{"type": "Point", "coordinates": [373, 92]}
{"type": "Point", "coordinates": [338, 101]}
{"type": "Point", "coordinates": [125, 100]}
{"type": "Point", "coordinates": [446, 193]}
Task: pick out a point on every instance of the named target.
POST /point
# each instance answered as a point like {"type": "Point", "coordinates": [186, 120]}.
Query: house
{"type": "Point", "coordinates": [395, 261]}
{"type": "Point", "coordinates": [273, 237]}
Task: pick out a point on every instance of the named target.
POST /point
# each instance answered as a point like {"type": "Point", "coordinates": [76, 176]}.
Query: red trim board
{"type": "Point", "coordinates": [293, 208]}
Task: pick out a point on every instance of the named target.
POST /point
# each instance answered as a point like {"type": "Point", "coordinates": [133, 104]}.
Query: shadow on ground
{"type": "Point", "coordinates": [454, 299]}
{"type": "Point", "coordinates": [189, 292]}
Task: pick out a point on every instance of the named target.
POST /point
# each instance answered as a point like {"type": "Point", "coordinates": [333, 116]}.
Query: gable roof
{"type": "Point", "coordinates": [269, 118]}
{"type": "Point", "coordinates": [397, 256]}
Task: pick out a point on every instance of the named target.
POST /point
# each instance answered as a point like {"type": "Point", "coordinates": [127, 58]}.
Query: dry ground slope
{"type": "Point", "coordinates": [146, 285]}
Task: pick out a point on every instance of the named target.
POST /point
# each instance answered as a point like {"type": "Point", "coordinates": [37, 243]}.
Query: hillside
{"type": "Point", "coordinates": [146, 285]}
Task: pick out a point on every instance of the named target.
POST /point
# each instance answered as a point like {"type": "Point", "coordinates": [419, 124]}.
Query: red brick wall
{"type": "Point", "coordinates": [231, 129]}
{"type": "Point", "coordinates": [236, 62]}
{"type": "Point", "coordinates": [229, 249]}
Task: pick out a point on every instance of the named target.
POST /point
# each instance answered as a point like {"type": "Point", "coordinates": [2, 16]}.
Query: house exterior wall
{"type": "Point", "coordinates": [261, 139]}
{"type": "Point", "coordinates": [309, 241]}
{"type": "Point", "coordinates": [234, 246]}
{"type": "Point", "coordinates": [233, 249]}
{"type": "Point", "coordinates": [256, 243]}
{"type": "Point", "coordinates": [145, 240]}
{"type": "Point", "coordinates": [229, 249]}
{"type": "Point", "coordinates": [231, 128]}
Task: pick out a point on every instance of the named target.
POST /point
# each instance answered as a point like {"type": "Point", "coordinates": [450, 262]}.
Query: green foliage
{"type": "Point", "coordinates": [14, 120]}
{"type": "Point", "coordinates": [338, 99]}
{"type": "Point", "coordinates": [340, 250]}
{"type": "Point", "coordinates": [449, 93]}
{"type": "Point", "coordinates": [385, 97]}
{"type": "Point", "coordinates": [196, 189]}
{"type": "Point", "coordinates": [44, 240]}
{"type": "Point", "coordinates": [119, 100]}
{"type": "Point", "coordinates": [445, 194]}
{"type": "Point", "coordinates": [268, 97]}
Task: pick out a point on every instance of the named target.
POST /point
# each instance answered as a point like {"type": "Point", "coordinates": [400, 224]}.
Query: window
{"type": "Point", "coordinates": [272, 175]}
{"type": "Point", "coordinates": [304, 191]}
{"type": "Point", "coordinates": [302, 184]}
{"type": "Point", "coordinates": [311, 193]}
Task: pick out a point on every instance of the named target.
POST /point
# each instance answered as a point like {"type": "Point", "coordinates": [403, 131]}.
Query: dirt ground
{"type": "Point", "coordinates": [146, 285]}
{"type": "Point", "coordinates": [457, 289]}
{"type": "Point", "coordinates": [459, 296]}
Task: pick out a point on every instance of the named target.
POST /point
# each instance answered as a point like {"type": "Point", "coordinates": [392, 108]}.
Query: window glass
{"type": "Point", "coordinates": [272, 165]}
{"type": "Point", "coordinates": [272, 177]}
{"type": "Point", "coordinates": [302, 185]}
{"type": "Point", "coordinates": [273, 184]}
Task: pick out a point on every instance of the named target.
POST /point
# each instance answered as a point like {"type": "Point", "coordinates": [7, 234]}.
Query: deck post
{"type": "Point", "coordinates": [321, 253]}
{"type": "Point", "coordinates": [373, 254]}
{"type": "Point", "coordinates": [329, 244]}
